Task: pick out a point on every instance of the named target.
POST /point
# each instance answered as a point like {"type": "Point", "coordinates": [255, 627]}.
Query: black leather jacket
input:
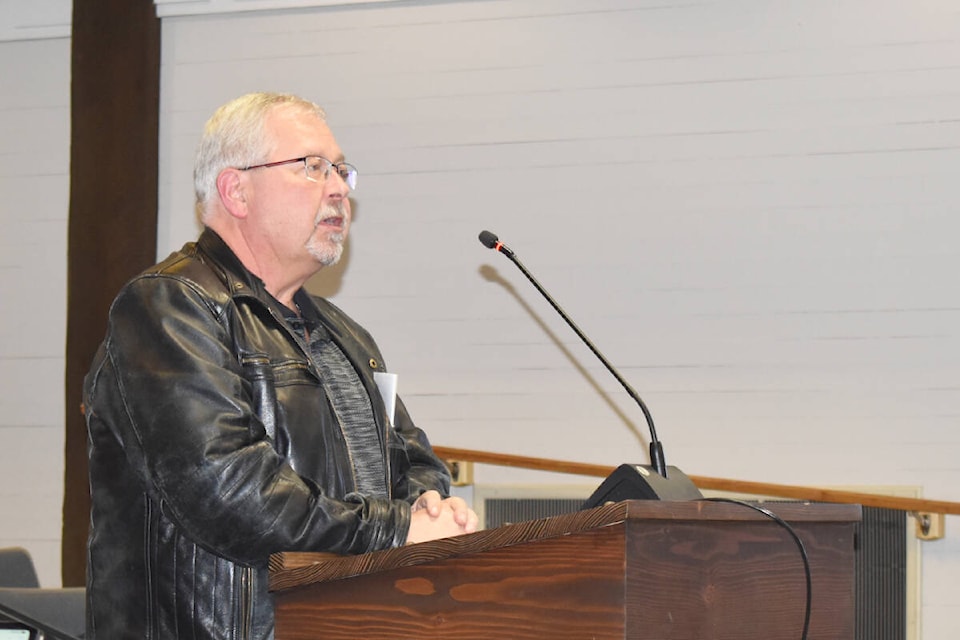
{"type": "Point", "coordinates": [212, 445]}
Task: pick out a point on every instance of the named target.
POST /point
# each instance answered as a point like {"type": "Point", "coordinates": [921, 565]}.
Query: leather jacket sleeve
{"type": "Point", "coordinates": [419, 470]}
{"type": "Point", "coordinates": [169, 388]}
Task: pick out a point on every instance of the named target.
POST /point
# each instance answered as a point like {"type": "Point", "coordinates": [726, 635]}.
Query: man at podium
{"type": "Point", "coordinates": [231, 414]}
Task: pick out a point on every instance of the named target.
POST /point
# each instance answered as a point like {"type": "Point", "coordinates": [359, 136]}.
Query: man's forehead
{"type": "Point", "coordinates": [285, 118]}
{"type": "Point", "coordinates": [288, 125]}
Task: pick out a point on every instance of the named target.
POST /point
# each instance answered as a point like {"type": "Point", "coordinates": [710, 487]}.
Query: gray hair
{"type": "Point", "coordinates": [234, 136]}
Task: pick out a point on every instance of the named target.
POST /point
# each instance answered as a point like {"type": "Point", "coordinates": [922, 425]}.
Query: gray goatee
{"type": "Point", "coordinates": [328, 250]}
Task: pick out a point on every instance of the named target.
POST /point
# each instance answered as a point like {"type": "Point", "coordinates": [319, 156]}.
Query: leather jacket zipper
{"type": "Point", "coordinates": [385, 444]}
{"type": "Point", "coordinates": [246, 603]}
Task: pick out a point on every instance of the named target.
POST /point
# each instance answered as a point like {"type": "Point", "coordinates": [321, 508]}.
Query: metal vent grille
{"type": "Point", "coordinates": [881, 559]}
{"type": "Point", "coordinates": [501, 511]}
{"type": "Point", "coordinates": [881, 575]}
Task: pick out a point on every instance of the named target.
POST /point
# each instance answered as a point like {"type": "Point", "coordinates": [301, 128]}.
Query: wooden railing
{"type": "Point", "coordinates": [919, 507]}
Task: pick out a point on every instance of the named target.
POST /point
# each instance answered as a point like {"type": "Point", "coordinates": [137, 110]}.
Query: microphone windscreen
{"type": "Point", "coordinates": [488, 239]}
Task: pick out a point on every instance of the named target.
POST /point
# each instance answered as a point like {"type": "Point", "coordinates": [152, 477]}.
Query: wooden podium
{"type": "Point", "coordinates": [637, 569]}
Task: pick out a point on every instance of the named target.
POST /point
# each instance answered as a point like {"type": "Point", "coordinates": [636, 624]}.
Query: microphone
{"type": "Point", "coordinates": [654, 482]}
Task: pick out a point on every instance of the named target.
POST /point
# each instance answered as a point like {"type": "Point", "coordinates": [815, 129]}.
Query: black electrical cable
{"type": "Point", "coordinates": [796, 539]}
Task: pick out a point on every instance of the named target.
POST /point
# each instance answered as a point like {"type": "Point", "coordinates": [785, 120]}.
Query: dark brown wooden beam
{"type": "Point", "coordinates": [112, 232]}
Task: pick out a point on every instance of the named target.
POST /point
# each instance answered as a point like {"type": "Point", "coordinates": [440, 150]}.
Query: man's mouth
{"type": "Point", "coordinates": [335, 222]}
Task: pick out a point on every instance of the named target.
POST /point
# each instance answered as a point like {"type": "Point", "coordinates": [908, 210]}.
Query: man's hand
{"type": "Point", "coordinates": [432, 517]}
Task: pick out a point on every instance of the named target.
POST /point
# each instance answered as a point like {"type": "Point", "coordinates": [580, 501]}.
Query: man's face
{"type": "Point", "coordinates": [296, 222]}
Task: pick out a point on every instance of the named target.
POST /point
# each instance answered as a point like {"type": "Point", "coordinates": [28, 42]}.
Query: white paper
{"type": "Point", "coordinates": [387, 384]}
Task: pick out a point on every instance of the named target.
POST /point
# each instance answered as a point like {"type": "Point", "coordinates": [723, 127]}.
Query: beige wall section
{"type": "Point", "coordinates": [34, 190]}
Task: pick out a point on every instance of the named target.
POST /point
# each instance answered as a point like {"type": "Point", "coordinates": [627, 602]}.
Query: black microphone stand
{"type": "Point", "coordinates": [670, 483]}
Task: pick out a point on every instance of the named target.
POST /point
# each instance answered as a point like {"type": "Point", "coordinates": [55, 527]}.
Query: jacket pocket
{"type": "Point", "coordinates": [259, 373]}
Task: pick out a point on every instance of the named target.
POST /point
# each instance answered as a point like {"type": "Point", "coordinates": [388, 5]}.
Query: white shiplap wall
{"type": "Point", "coordinates": [32, 20]}
{"type": "Point", "coordinates": [749, 204]}
{"type": "Point", "coordinates": [34, 190]}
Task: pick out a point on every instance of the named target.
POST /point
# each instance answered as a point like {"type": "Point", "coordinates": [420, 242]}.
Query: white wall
{"type": "Point", "coordinates": [34, 191]}
{"type": "Point", "coordinates": [747, 204]}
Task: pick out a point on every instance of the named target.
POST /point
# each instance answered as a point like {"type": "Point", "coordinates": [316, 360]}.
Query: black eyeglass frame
{"type": "Point", "coordinates": [346, 171]}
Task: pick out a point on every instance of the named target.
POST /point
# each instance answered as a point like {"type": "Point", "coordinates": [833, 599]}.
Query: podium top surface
{"type": "Point", "coordinates": [293, 569]}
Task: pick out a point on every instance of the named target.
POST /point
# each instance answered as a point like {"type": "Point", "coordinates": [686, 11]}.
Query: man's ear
{"type": "Point", "coordinates": [232, 186]}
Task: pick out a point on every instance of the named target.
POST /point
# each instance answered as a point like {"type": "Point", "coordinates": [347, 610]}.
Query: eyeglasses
{"type": "Point", "coordinates": [316, 169]}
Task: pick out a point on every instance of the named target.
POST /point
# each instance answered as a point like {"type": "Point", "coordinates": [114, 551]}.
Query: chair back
{"type": "Point", "coordinates": [16, 569]}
